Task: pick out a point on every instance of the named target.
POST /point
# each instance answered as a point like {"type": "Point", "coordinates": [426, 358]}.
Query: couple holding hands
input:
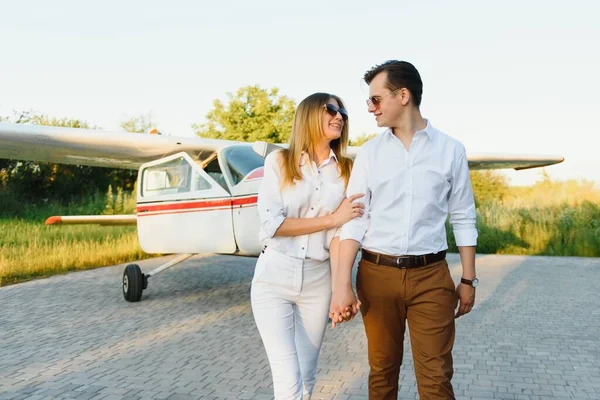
{"type": "Point", "coordinates": [317, 209]}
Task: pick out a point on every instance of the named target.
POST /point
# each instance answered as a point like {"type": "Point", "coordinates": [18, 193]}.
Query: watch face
{"type": "Point", "coordinates": [475, 282]}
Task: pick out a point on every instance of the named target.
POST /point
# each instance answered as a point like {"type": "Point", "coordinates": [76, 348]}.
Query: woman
{"type": "Point", "coordinates": [301, 203]}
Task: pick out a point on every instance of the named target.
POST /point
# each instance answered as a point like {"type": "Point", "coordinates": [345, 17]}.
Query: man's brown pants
{"type": "Point", "coordinates": [426, 297]}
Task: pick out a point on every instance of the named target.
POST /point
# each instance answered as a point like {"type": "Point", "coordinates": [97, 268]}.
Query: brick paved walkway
{"type": "Point", "coordinates": [534, 334]}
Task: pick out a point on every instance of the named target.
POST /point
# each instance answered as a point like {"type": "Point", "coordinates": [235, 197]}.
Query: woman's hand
{"type": "Point", "coordinates": [343, 306]}
{"type": "Point", "coordinates": [348, 210]}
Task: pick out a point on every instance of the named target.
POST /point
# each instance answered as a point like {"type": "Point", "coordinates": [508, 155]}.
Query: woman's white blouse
{"type": "Point", "coordinates": [319, 193]}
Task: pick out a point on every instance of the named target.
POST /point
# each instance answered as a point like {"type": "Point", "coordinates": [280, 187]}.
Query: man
{"type": "Point", "coordinates": [412, 175]}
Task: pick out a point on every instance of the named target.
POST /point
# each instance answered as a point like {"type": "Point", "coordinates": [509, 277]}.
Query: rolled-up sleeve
{"type": "Point", "coordinates": [332, 234]}
{"type": "Point", "coordinates": [355, 229]}
{"type": "Point", "coordinates": [271, 211]}
{"type": "Point", "coordinates": [461, 203]}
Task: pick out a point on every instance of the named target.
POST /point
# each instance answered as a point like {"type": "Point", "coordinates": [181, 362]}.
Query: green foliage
{"type": "Point", "coordinates": [139, 124]}
{"type": "Point", "coordinates": [488, 186]}
{"type": "Point", "coordinates": [37, 119]}
{"type": "Point", "coordinates": [112, 202]}
{"type": "Point", "coordinates": [362, 139]}
{"type": "Point", "coordinates": [121, 202]}
{"type": "Point", "coordinates": [29, 249]}
{"type": "Point", "coordinates": [546, 192]}
{"type": "Point", "coordinates": [33, 183]}
{"type": "Point", "coordinates": [252, 114]}
{"type": "Point", "coordinates": [548, 218]}
{"type": "Point", "coordinates": [12, 207]}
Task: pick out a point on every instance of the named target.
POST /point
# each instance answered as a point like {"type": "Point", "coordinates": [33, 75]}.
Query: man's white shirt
{"type": "Point", "coordinates": [409, 193]}
{"type": "Point", "coordinates": [319, 193]}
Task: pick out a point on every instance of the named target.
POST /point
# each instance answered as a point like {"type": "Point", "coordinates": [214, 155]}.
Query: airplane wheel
{"type": "Point", "coordinates": [134, 283]}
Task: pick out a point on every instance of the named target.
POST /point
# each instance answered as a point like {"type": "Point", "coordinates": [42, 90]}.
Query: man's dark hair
{"type": "Point", "coordinates": [400, 74]}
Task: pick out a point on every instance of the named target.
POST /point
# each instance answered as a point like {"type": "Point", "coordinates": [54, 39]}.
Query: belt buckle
{"type": "Point", "coordinates": [398, 261]}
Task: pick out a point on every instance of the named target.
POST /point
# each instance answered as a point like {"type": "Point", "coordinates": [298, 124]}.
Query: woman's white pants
{"type": "Point", "coordinates": [290, 301]}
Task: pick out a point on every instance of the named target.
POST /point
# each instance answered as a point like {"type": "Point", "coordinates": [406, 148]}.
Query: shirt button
{"type": "Point", "coordinates": [317, 188]}
{"type": "Point", "coordinates": [303, 248]}
{"type": "Point", "coordinates": [312, 208]}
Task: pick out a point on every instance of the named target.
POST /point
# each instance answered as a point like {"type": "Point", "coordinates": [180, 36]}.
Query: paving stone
{"type": "Point", "coordinates": [533, 334]}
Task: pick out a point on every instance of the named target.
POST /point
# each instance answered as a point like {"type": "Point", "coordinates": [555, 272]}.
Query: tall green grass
{"type": "Point", "coordinates": [549, 218]}
{"type": "Point", "coordinates": [112, 202]}
{"type": "Point", "coordinates": [29, 249]}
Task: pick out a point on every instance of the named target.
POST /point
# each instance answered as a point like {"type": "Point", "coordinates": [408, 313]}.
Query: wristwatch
{"type": "Point", "coordinates": [473, 282]}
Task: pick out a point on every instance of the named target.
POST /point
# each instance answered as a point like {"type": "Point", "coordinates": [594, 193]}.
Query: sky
{"type": "Point", "coordinates": [503, 77]}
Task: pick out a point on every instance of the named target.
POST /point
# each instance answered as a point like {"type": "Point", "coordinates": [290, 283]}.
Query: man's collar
{"type": "Point", "coordinates": [428, 130]}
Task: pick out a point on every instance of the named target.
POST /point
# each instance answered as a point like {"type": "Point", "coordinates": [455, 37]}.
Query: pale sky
{"type": "Point", "coordinates": [510, 76]}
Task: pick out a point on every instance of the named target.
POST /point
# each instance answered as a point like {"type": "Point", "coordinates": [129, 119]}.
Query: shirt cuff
{"type": "Point", "coordinates": [354, 234]}
{"type": "Point", "coordinates": [466, 237]}
{"type": "Point", "coordinates": [332, 234]}
{"type": "Point", "coordinates": [272, 224]}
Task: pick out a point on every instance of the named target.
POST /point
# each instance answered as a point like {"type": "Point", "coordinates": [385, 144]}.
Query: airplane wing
{"type": "Point", "coordinates": [130, 150]}
{"type": "Point", "coordinates": [95, 147]}
{"type": "Point", "coordinates": [500, 160]}
{"type": "Point", "coordinates": [93, 219]}
{"type": "Point", "coordinates": [476, 160]}
{"type": "Point", "coordinates": [511, 161]}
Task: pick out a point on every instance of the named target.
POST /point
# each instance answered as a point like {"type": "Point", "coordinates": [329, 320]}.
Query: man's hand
{"type": "Point", "coordinates": [466, 297]}
{"type": "Point", "coordinates": [344, 305]}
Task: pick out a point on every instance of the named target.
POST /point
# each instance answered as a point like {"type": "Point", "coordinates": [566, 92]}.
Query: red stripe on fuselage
{"type": "Point", "coordinates": [198, 205]}
{"type": "Point", "coordinates": [245, 201]}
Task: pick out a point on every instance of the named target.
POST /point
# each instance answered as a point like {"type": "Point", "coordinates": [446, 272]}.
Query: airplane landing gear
{"type": "Point", "coordinates": [134, 281]}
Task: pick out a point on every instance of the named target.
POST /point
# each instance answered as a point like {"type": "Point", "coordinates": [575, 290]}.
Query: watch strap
{"type": "Point", "coordinates": [466, 281]}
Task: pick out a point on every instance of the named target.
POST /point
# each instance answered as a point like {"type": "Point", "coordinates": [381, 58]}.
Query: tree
{"type": "Point", "coordinates": [488, 186]}
{"type": "Point", "coordinates": [140, 124]}
{"type": "Point", "coordinates": [252, 114]}
{"type": "Point", "coordinates": [362, 139]}
{"type": "Point", "coordinates": [32, 182]}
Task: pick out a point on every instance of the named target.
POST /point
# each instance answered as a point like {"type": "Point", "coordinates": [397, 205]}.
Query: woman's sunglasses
{"type": "Point", "coordinates": [333, 110]}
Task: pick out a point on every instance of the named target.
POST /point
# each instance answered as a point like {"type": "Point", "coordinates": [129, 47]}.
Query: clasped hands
{"type": "Point", "coordinates": [344, 305]}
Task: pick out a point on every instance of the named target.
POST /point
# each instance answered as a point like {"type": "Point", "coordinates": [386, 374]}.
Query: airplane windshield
{"type": "Point", "coordinates": [169, 178]}
{"type": "Point", "coordinates": [242, 160]}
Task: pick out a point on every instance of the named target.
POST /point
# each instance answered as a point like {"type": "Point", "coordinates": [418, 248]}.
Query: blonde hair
{"type": "Point", "coordinates": [307, 132]}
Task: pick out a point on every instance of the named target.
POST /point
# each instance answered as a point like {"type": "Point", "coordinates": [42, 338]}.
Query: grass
{"type": "Point", "coordinates": [558, 230]}
{"type": "Point", "coordinates": [549, 218]}
{"type": "Point", "coordinates": [29, 249]}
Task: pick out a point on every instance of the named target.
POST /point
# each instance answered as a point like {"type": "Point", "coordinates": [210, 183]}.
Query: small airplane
{"type": "Point", "coordinates": [194, 195]}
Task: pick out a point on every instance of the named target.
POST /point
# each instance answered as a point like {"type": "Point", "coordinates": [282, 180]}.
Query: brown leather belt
{"type": "Point", "coordinates": [402, 261]}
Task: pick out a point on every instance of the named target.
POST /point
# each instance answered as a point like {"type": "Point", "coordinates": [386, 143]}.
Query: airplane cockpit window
{"type": "Point", "coordinates": [168, 178]}
{"type": "Point", "coordinates": [201, 183]}
{"type": "Point", "coordinates": [242, 160]}
{"type": "Point", "coordinates": [214, 171]}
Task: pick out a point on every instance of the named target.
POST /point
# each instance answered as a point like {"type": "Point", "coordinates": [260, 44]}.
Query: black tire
{"type": "Point", "coordinates": [134, 283]}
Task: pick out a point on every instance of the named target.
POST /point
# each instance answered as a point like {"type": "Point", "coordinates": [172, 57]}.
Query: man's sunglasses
{"type": "Point", "coordinates": [376, 100]}
{"type": "Point", "coordinates": [333, 110]}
